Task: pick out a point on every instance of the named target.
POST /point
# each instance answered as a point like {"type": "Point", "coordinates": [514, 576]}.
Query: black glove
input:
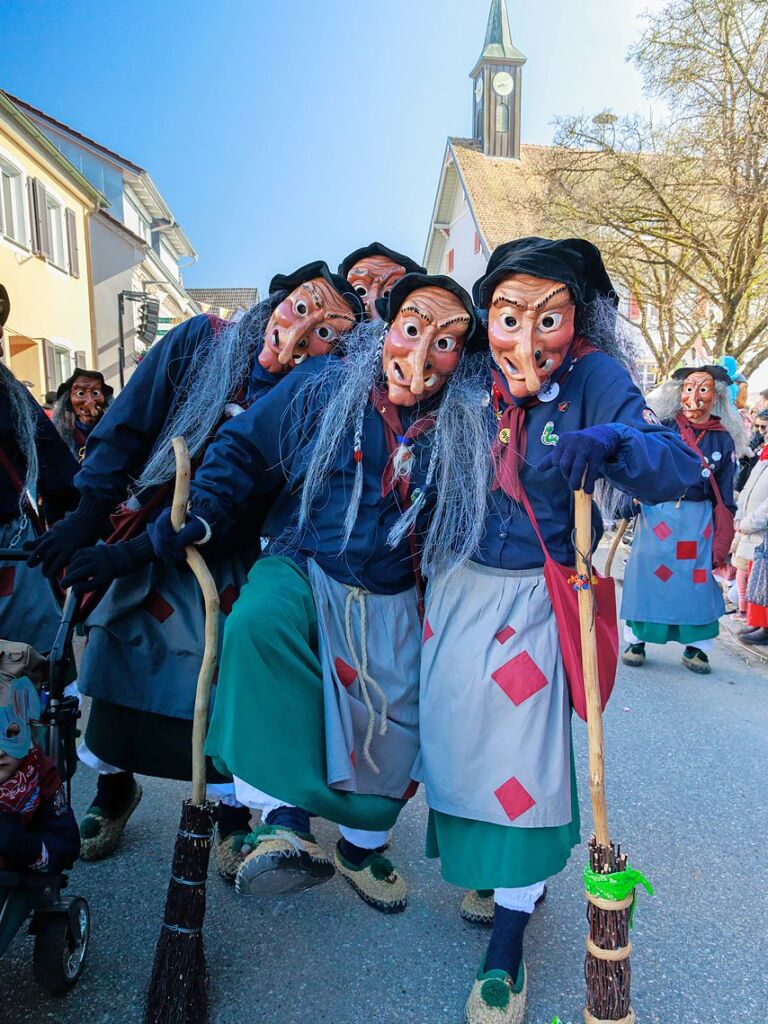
{"type": "Point", "coordinates": [17, 844]}
{"type": "Point", "coordinates": [582, 455]}
{"type": "Point", "coordinates": [96, 567]}
{"type": "Point", "coordinates": [169, 545]}
{"type": "Point", "coordinates": [79, 529]}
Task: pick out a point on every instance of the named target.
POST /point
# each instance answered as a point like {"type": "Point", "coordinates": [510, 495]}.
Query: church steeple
{"type": "Point", "coordinates": [497, 77]}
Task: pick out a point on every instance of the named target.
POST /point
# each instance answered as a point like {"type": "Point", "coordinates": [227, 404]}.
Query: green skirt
{"type": "Point", "coordinates": [481, 855]}
{"type": "Point", "coordinates": [661, 633]}
{"type": "Point", "coordinates": [268, 722]}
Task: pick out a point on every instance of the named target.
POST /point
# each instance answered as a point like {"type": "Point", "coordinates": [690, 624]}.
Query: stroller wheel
{"type": "Point", "coordinates": [61, 946]}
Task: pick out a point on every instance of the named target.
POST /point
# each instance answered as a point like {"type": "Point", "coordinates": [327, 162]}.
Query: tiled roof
{"type": "Point", "coordinates": [225, 298]}
{"type": "Point", "coordinates": [509, 198]}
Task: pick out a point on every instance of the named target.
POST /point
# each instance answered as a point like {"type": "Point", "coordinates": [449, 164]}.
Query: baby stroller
{"type": "Point", "coordinates": [60, 924]}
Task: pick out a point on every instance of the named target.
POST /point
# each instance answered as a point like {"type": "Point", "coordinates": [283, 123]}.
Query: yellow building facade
{"type": "Point", "coordinates": [45, 262]}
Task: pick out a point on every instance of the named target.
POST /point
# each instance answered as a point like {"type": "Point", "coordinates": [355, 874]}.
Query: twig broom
{"type": "Point", "coordinates": [609, 883]}
{"type": "Point", "coordinates": [178, 987]}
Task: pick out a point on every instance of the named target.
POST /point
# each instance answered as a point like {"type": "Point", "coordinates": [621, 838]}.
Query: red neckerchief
{"type": "Point", "coordinates": [763, 457]}
{"type": "Point", "coordinates": [395, 437]}
{"type": "Point", "coordinates": [35, 780]}
{"type": "Point", "coordinates": [688, 430]}
{"type": "Point", "coordinates": [509, 454]}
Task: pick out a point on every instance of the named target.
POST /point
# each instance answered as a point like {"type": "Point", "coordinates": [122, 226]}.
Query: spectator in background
{"type": "Point", "coordinates": [752, 524]}
{"type": "Point", "coordinates": [49, 403]}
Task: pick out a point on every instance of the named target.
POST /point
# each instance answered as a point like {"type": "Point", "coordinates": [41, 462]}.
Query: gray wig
{"type": "Point", "coordinates": [219, 368]}
{"type": "Point", "coordinates": [23, 419]}
{"type": "Point", "coordinates": [665, 402]}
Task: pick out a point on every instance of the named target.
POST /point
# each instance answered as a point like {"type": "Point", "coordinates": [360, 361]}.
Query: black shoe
{"type": "Point", "coordinates": [696, 661]}
{"type": "Point", "coordinates": [634, 655]}
{"type": "Point", "coordinates": [757, 639]}
{"type": "Point", "coordinates": [748, 631]}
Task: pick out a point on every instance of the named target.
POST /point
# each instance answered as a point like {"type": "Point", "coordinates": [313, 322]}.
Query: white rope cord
{"type": "Point", "coordinates": [360, 663]}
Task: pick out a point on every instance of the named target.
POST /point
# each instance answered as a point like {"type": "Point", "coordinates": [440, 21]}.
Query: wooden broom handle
{"type": "Point", "coordinates": [621, 529]}
{"type": "Point", "coordinates": [196, 562]}
{"type": "Point", "coordinates": [583, 510]}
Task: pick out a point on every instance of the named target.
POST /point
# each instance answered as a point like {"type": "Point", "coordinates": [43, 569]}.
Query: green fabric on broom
{"type": "Point", "coordinates": [661, 633]}
{"type": "Point", "coordinates": [268, 722]}
{"type": "Point", "coordinates": [481, 855]}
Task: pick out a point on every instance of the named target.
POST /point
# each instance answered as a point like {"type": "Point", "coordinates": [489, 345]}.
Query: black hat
{"type": "Point", "coordinates": [377, 249]}
{"type": "Point", "coordinates": [572, 261]}
{"type": "Point", "coordinates": [288, 282]}
{"type": "Point", "coordinates": [80, 372]}
{"type": "Point", "coordinates": [5, 306]}
{"type": "Point", "coordinates": [476, 339]}
{"type": "Point", "coordinates": [718, 373]}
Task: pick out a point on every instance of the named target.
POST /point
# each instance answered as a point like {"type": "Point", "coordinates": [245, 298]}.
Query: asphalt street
{"type": "Point", "coordinates": [686, 771]}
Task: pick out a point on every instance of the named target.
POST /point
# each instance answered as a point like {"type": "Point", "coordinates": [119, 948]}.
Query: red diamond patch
{"type": "Point", "coordinates": [345, 672]}
{"type": "Point", "coordinates": [505, 634]}
{"type": "Point", "coordinates": [7, 577]}
{"type": "Point", "coordinates": [708, 531]}
{"type": "Point", "coordinates": [514, 798]}
{"type": "Point", "coordinates": [520, 678]}
{"type": "Point", "coordinates": [427, 631]}
{"type": "Point", "coordinates": [700, 575]}
{"type": "Point", "coordinates": [662, 531]}
{"type": "Point", "coordinates": [157, 606]}
{"type": "Point", "coordinates": [227, 598]}
{"type": "Point", "coordinates": [411, 790]}
{"type": "Point", "coordinates": [663, 572]}
{"type": "Point", "coordinates": [687, 549]}
{"type": "Point", "coordinates": [353, 759]}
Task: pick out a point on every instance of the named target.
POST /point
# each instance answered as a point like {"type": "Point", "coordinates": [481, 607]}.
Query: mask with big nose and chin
{"type": "Point", "coordinates": [87, 399]}
{"type": "Point", "coordinates": [372, 278]}
{"type": "Point", "coordinates": [308, 322]}
{"type": "Point", "coordinates": [697, 396]}
{"type": "Point", "coordinates": [423, 344]}
{"type": "Point", "coordinates": [530, 330]}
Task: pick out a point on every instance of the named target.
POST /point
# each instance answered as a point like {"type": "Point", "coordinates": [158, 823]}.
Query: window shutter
{"type": "Point", "coordinates": [49, 358]}
{"type": "Point", "coordinates": [40, 239]}
{"type": "Point", "coordinates": [81, 359]}
{"type": "Point", "coordinates": [74, 259]}
{"type": "Point", "coordinates": [2, 212]}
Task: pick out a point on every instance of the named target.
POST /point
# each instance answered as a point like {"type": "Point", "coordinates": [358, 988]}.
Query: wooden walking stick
{"type": "Point", "coordinates": [608, 881]}
{"type": "Point", "coordinates": [621, 529]}
{"type": "Point", "coordinates": [178, 989]}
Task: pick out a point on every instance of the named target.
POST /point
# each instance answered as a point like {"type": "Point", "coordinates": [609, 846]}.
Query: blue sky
{"type": "Point", "coordinates": [281, 131]}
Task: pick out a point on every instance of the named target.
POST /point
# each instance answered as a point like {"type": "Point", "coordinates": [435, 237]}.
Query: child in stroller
{"type": "Point", "coordinates": [39, 837]}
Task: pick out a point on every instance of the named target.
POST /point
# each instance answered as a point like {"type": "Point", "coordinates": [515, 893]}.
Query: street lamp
{"type": "Point", "coordinates": [150, 310]}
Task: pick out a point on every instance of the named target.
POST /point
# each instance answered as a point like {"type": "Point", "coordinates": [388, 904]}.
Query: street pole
{"type": "Point", "coordinates": [121, 342]}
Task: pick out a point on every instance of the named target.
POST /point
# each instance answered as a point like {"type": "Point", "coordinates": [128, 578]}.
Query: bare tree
{"type": "Point", "coordinates": [680, 206]}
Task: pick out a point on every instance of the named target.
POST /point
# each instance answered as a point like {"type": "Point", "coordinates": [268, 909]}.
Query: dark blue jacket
{"type": "Point", "coordinates": [653, 464]}
{"type": "Point", "coordinates": [269, 446]}
{"type": "Point", "coordinates": [718, 447]}
{"type": "Point", "coordinates": [123, 439]}
{"type": "Point", "coordinates": [58, 465]}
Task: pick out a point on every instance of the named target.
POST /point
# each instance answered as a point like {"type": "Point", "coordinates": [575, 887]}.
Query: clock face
{"type": "Point", "coordinates": [479, 89]}
{"type": "Point", "coordinates": [503, 83]}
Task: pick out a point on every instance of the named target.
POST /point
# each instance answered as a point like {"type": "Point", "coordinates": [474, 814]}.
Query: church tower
{"type": "Point", "coordinates": [496, 78]}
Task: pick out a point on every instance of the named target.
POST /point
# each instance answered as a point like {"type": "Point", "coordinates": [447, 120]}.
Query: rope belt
{"type": "Point", "coordinates": [360, 664]}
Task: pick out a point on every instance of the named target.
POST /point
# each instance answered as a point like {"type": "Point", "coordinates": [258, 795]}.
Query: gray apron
{"type": "Point", "coordinates": [369, 651]}
{"type": "Point", "coordinates": [668, 578]}
{"type": "Point", "coordinates": [29, 612]}
{"type": "Point", "coordinates": [146, 637]}
{"type": "Point", "coordinates": [494, 707]}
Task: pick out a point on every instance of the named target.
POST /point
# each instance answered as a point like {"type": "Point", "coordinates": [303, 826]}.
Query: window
{"type": "Point", "coordinates": [502, 118]}
{"type": "Point", "coordinates": [55, 219]}
{"type": "Point", "coordinates": [12, 219]}
{"type": "Point", "coordinates": [450, 260]}
{"type": "Point", "coordinates": [136, 222]}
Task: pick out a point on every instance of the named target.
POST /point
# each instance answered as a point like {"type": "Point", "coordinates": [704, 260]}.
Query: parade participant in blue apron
{"type": "Point", "coordinates": [36, 488]}
{"type": "Point", "coordinates": [496, 754]}
{"type": "Point", "coordinates": [145, 637]}
{"type": "Point", "coordinates": [81, 401]}
{"type": "Point", "coordinates": [373, 271]}
{"type": "Point", "coordinates": [670, 594]}
{"type": "Point", "coordinates": [317, 703]}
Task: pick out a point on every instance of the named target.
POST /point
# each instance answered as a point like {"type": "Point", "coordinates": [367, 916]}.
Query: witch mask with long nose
{"type": "Point", "coordinates": [530, 330]}
{"type": "Point", "coordinates": [423, 344]}
{"type": "Point", "coordinates": [308, 322]}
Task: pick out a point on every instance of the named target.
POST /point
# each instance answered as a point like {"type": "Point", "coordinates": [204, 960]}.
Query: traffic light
{"type": "Point", "coordinates": [149, 313]}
